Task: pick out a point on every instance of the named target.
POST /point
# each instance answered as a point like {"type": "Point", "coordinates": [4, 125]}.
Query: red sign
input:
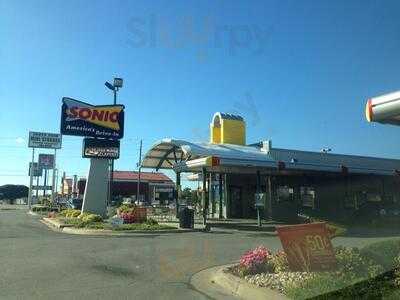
{"type": "Point", "coordinates": [308, 247]}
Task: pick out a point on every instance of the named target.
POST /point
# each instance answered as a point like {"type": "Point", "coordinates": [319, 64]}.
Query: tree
{"type": "Point", "coordinates": [12, 192]}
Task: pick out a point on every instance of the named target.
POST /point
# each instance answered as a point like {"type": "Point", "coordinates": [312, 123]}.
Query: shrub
{"type": "Point", "coordinates": [92, 218]}
{"type": "Point", "coordinates": [279, 262]}
{"type": "Point", "coordinates": [151, 221]}
{"type": "Point", "coordinates": [69, 213]}
{"type": "Point", "coordinates": [126, 208]}
{"type": "Point", "coordinates": [255, 261]}
{"type": "Point", "coordinates": [128, 217]}
{"type": "Point", "coordinates": [383, 253]}
{"type": "Point", "coordinates": [352, 265]}
{"type": "Point", "coordinates": [40, 208]}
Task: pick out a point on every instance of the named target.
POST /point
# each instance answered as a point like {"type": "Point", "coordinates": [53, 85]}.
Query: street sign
{"type": "Point", "coordinates": [44, 140]}
{"type": "Point", "coordinates": [46, 161]}
{"type": "Point", "coordinates": [82, 119]}
{"type": "Point", "coordinates": [42, 187]}
{"type": "Point", "coordinates": [308, 247]}
{"type": "Point", "coordinates": [96, 148]}
{"type": "Point", "coordinates": [259, 199]}
{"type": "Point", "coordinates": [37, 172]}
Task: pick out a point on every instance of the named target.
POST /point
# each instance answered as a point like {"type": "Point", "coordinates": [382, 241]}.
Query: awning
{"type": "Point", "coordinates": [184, 156]}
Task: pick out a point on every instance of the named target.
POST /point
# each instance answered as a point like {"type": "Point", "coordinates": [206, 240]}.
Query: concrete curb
{"type": "Point", "coordinates": [217, 284]}
{"type": "Point", "coordinates": [68, 229]}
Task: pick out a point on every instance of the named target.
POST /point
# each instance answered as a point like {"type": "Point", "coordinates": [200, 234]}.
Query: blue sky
{"type": "Point", "coordinates": [298, 71]}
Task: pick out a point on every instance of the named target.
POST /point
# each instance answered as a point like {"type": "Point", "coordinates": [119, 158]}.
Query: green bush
{"type": "Point", "coordinates": [352, 265]}
{"type": "Point", "coordinates": [70, 213]}
{"type": "Point", "coordinates": [92, 218]}
{"type": "Point", "coordinates": [151, 221]}
{"type": "Point", "coordinates": [382, 253]}
{"type": "Point", "coordinates": [142, 226]}
{"type": "Point", "coordinates": [279, 262]}
{"type": "Point", "coordinates": [40, 208]}
{"type": "Point", "coordinates": [126, 208]}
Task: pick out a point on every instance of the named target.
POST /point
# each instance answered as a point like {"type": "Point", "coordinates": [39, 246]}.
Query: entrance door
{"type": "Point", "coordinates": [236, 202]}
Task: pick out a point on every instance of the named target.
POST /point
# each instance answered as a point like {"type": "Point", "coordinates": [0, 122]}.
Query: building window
{"type": "Point", "coordinates": [307, 196]}
{"type": "Point", "coordinates": [285, 193]}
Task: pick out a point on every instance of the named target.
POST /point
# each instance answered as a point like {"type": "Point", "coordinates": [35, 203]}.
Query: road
{"type": "Point", "coordinates": [38, 263]}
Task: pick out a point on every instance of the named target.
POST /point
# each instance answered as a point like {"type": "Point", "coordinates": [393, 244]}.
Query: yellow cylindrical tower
{"type": "Point", "coordinates": [227, 129]}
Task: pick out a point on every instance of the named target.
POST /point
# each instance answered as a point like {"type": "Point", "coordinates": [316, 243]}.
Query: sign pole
{"type": "Point", "coordinates": [45, 183]}
{"type": "Point", "coordinates": [31, 180]}
{"type": "Point", "coordinates": [53, 177]}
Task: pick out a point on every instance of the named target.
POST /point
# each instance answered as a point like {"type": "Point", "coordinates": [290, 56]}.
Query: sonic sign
{"type": "Point", "coordinates": [83, 119]}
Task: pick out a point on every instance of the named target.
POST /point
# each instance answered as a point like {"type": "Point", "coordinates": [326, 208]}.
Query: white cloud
{"type": "Point", "coordinates": [19, 140]}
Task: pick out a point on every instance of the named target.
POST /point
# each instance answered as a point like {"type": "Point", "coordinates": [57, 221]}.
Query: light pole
{"type": "Point", "coordinates": [118, 83]}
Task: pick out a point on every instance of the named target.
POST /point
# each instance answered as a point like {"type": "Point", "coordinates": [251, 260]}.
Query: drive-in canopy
{"type": "Point", "coordinates": [184, 156]}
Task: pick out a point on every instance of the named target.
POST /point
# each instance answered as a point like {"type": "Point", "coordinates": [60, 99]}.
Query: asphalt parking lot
{"type": "Point", "coordinates": [38, 263]}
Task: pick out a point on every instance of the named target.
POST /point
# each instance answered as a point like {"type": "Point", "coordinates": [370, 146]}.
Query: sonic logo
{"type": "Point", "coordinates": [103, 116]}
{"type": "Point", "coordinates": [83, 119]}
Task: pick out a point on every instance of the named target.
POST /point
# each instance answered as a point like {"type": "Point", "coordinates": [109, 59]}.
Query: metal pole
{"type": "Point", "coordinates": [53, 179]}
{"type": "Point", "coordinates": [258, 191]}
{"type": "Point", "coordinates": [110, 189]}
{"type": "Point", "coordinates": [45, 183]}
{"type": "Point", "coordinates": [37, 184]}
{"type": "Point", "coordinates": [31, 180]}
{"type": "Point", "coordinates": [204, 196]}
{"type": "Point", "coordinates": [220, 195]}
{"type": "Point", "coordinates": [139, 172]}
{"type": "Point", "coordinates": [178, 193]}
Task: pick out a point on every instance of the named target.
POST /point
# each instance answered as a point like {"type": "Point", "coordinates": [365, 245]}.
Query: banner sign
{"type": "Point", "coordinates": [46, 161]}
{"type": "Point", "coordinates": [96, 148]}
{"type": "Point", "coordinates": [42, 187]}
{"type": "Point", "coordinates": [308, 247]}
{"type": "Point", "coordinates": [83, 119]}
{"type": "Point", "coordinates": [37, 172]}
{"type": "Point", "coordinates": [44, 140]}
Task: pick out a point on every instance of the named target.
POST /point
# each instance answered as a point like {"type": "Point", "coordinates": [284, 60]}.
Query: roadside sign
{"type": "Point", "coordinates": [259, 199]}
{"type": "Point", "coordinates": [44, 140]}
{"type": "Point", "coordinates": [46, 161]}
{"type": "Point", "coordinates": [37, 171]}
{"type": "Point", "coordinates": [96, 148]}
{"type": "Point", "coordinates": [42, 187]}
{"type": "Point", "coordinates": [82, 119]}
{"type": "Point", "coordinates": [307, 246]}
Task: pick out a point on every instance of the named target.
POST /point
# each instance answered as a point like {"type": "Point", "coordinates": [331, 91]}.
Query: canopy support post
{"type": "Point", "coordinates": [204, 196]}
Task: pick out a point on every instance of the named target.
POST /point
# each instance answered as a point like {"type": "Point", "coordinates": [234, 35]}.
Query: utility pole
{"type": "Point", "coordinates": [139, 165]}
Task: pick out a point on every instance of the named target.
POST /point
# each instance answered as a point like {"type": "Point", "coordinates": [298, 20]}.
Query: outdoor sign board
{"type": "Point", "coordinates": [42, 187]}
{"type": "Point", "coordinates": [44, 140]}
{"type": "Point", "coordinates": [308, 247]}
{"type": "Point", "coordinates": [82, 119]}
{"type": "Point", "coordinates": [259, 199]}
{"type": "Point", "coordinates": [46, 161]}
{"type": "Point", "coordinates": [96, 148]}
{"type": "Point", "coordinates": [37, 172]}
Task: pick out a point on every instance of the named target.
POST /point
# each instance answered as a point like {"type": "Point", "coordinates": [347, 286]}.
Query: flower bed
{"type": "Point", "coordinates": [354, 266]}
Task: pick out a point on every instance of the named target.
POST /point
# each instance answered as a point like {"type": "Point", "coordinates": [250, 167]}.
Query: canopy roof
{"type": "Point", "coordinates": [187, 156]}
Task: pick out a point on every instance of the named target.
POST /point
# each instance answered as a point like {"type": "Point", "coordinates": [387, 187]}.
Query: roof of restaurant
{"type": "Point", "coordinates": [169, 152]}
{"type": "Point", "coordinates": [144, 176]}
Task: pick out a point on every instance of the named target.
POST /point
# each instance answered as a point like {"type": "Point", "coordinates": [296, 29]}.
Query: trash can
{"type": "Point", "coordinates": [186, 218]}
